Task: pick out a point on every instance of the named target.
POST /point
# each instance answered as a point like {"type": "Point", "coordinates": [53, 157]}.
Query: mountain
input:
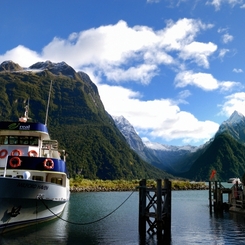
{"type": "Point", "coordinates": [10, 66]}
{"type": "Point", "coordinates": [168, 158]}
{"type": "Point", "coordinates": [77, 119]}
{"type": "Point", "coordinates": [225, 155]}
{"type": "Point", "coordinates": [235, 126]}
{"type": "Point", "coordinates": [134, 141]}
{"type": "Point", "coordinates": [225, 152]}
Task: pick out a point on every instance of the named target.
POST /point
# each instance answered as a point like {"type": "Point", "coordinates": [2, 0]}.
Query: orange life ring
{"type": "Point", "coordinates": [15, 162]}
{"type": "Point", "coordinates": [48, 163]}
{"type": "Point", "coordinates": [3, 153]}
{"type": "Point", "coordinates": [14, 152]}
{"type": "Point", "coordinates": [32, 153]}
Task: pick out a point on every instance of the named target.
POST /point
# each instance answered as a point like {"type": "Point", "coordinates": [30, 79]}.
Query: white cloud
{"type": "Point", "coordinates": [227, 38]}
{"type": "Point", "coordinates": [116, 54]}
{"type": "Point", "coordinates": [22, 56]}
{"type": "Point", "coordinates": [223, 52]}
{"type": "Point", "coordinates": [181, 33]}
{"type": "Point", "coordinates": [234, 102]}
{"type": "Point", "coordinates": [217, 3]}
{"type": "Point", "coordinates": [185, 126]}
{"type": "Point", "coordinates": [237, 70]}
{"type": "Point", "coordinates": [122, 53]}
{"type": "Point", "coordinates": [157, 118]}
{"type": "Point", "coordinates": [152, 1]}
{"type": "Point", "coordinates": [145, 71]}
{"type": "Point", "coordinates": [199, 52]}
{"type": "Point", "coordinates": [204, 81]}
{"type": "Point", "coordinates": [129, 50]}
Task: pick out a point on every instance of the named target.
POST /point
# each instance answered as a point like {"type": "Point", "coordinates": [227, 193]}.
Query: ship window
{"type": "Point", "coordinates": [21, 140]}
{"type": "Point", "coordinates": [3, 140]}
{"type": "Point", "coordinates": [19, 176]}
{"type": "Point", "coordinates": [39, 178]}
{"type": "Point", "coordinates": [34, 141]}
{"type": "Point", "coordinates": [56, 180]}
{"type": "Point", "coordinates": [13, 140]}
{"type": "Point", "coordinates": [24, 140]}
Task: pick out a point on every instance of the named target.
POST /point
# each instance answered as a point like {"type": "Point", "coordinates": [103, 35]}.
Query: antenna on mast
{"type": "Point", "coordinates": [50, 88]}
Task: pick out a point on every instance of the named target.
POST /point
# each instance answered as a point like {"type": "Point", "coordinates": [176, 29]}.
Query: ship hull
{"type": "Point", "coordinates": [23, 202]}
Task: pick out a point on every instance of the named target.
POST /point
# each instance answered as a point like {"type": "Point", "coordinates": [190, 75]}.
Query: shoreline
{"type": "Point", "coordinates": [78, 185]}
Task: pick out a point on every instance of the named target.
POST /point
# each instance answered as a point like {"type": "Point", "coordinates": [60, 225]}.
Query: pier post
{"type": "Point", "coordinates": [167, 210]}
{"type": "Point", "coordinates": [216, 192]}
{"type": "Point", "coordinates": [142, 208]}
{"type": "Point", "coordinates": [210, 197]}
{"type": "Point", "coordinates": [159, 210]}
{"type": "Point", "coordinates": [155, 210]}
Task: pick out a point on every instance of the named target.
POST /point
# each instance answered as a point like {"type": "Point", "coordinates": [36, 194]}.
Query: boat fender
{"type": "Point", "coordinates": [15, 162]}
{"type": "Point", "coordinates": [32, 153]}
{"type": "Point", "coordinates": [16, 152]}
{"type": "Point", "coordinates": [48, 163]}
{"type": "Point", "coordinates": [26, 175]}
{"type": "Point", "coordinates": [3, 153]}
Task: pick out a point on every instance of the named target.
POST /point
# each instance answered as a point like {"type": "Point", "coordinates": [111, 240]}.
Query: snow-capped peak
{"type": "Point", "coordinates": [236, 117]}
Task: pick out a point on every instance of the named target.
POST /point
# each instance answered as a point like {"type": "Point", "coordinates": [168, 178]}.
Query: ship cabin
{"type": "Point", "coordinates": [27, 152]}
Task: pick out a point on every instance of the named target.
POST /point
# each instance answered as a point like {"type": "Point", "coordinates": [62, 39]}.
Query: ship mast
{"type": "Point", "coordinates": [50, 88]}
{"type": "Point", "coordinates": [25, 117]}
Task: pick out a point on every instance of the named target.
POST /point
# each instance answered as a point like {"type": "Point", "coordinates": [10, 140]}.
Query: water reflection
{"type": "Point", "coordinates": [191, 223]}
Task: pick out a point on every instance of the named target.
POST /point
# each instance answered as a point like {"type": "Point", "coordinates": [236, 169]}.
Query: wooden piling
{"type": "Point", "coordinates": [142, 208]}
{"type": "Point", "coordinates": [155, 210]}
{"type": "Point", "coordinates": [216, 191]}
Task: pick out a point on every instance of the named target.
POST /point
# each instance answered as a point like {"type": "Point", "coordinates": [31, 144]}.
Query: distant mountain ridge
{"type": "Point", "coordinates": [165, 157]}
{"type": "Point", "coordinates": [195, 162]}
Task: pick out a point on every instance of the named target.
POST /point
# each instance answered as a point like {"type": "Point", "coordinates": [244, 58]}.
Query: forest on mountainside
{"type": "Point", "coordinates": [77, 119]}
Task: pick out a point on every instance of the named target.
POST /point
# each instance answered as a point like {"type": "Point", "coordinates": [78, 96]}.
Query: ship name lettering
{"type": "Point", "coordinates": [25, 127]}
{"type": "Point", "coordinates": [34, 186]}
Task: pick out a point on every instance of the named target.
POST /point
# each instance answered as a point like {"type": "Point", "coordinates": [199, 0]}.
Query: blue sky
{"type": "Point", "coordinates": [174, 69]}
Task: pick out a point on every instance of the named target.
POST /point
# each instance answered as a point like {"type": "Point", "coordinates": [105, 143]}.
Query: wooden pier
{"type": "Point", "coordinates": [155, 210]}
{"type": "Point", "coordinates": [216, 191]}
{"type": "Point", "coordinates": [235, 202]}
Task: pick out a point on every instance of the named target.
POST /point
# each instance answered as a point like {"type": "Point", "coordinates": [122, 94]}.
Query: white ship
{"type": "Point", "coordinates": [34, 184]}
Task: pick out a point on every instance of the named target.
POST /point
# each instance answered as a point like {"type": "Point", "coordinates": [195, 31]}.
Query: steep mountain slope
{"type": "Point", "coordinates": [77, 119]}
{"type": "Point", "coordinates": [225, 152]}
{"type": "Point", "coordinates": [225, 155]}
{"type": "Point", "coordinates": [235, 126]}
{"type": "Point", "coordinates": [169, 158]}
{"type": "Point", "coordinates": [135, 142]}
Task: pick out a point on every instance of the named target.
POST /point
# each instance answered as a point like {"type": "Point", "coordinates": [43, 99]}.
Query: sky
{"type": "Point", "coordinates": [173, 68]}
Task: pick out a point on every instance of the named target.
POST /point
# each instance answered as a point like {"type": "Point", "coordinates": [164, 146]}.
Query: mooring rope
{"type": "Point", "coordinates": [87, 223]}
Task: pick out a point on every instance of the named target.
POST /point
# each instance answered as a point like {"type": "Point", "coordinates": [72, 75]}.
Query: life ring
{"type": "Point", "coordinates": [32, 153]}
{"type": "Point", "coordinates": [3, 153]}
{"type": "Point", "coordinates": [15, 162]}
{"type": "Point", "coordinates": [14, 152]}
{"type": "Point", "coordinates": [48, 163]}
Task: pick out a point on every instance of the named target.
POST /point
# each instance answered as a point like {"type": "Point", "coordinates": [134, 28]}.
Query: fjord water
{"type": "Point", "coordinates": [191, 222]}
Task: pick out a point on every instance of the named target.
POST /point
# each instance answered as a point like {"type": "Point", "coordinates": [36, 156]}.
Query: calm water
{"type": "Point", "coordinates": [191, 222]}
